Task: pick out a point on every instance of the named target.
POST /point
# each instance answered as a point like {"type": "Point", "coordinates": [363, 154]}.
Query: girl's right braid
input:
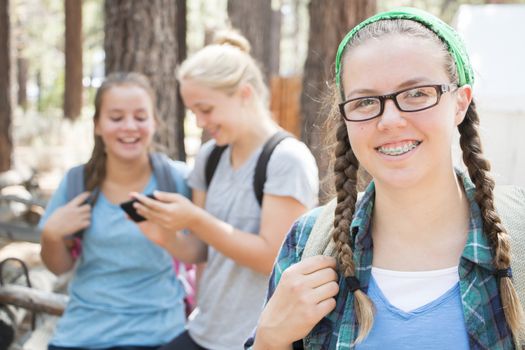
{"type": "Point", "coordinates": [345, 171]}
{"type": "Point", "coordinates": [478, 168]}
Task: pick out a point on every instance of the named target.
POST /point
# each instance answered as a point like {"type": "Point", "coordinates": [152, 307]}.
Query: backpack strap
{"type": "Point", "coordinates": [259, 176]}
{"type": "Point", "coordinates": [160, 164]}
{"type": "Point", "coordinates": [75, 182]}
{"type": "Point", "coordinates": [212, 162]}
{"type": "Point", "coordinates": [320, 240]}
{"type": "Point", "coordinates": [75, 185]}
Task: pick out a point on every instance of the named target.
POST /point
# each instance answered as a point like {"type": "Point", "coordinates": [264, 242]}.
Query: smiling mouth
{"type": "Point", "coordinates": [398, 150]}
{"type": "Point", "coordinates": [129, 140]}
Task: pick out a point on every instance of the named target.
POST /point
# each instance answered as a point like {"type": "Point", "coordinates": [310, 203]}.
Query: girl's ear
{"type": "Point", "coordinates": [246, 92]}
{"type": "Point", "coordinates": [464, 97]}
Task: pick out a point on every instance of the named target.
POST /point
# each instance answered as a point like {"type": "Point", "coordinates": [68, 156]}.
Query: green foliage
{"type": "Point", "coordinates": [53, 95]}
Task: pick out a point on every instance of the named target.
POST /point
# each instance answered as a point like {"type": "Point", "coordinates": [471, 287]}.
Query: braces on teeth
{"type": "Point", "coordinates": [398, 150]}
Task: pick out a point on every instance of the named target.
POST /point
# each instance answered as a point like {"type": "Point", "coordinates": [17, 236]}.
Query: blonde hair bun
{"type": "Point", "coordinates": [225, 65]}
{"type": "Point", "coordinates": [233, 38]}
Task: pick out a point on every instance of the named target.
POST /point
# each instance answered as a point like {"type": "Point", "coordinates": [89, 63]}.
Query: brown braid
{"type": "Point", "coordinates": [345, 172]}
{"type": "Point", "coordinates": [95, 170]}
{"type": "Point", "coordinates": [478, 168]}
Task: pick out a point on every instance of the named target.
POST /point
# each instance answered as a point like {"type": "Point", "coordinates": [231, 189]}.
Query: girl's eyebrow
{"type": "Point", "coordinates": [115, 110]}
{"type": "Point", "coordinates": [201, 104]}
{"type": "Point", "coordinates": [121, 110]}
{"type": "Point", "coordinates": [373, 92]}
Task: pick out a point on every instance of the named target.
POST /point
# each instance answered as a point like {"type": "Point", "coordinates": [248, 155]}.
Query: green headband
{"type": "Point", "coordinates": [445, 32]}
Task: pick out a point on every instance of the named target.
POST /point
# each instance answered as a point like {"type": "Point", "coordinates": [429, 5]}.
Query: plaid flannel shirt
{"type": "Point", "coordinates": [482, 310]}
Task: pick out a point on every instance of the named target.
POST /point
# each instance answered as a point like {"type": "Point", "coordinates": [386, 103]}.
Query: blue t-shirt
{"type": "Point", "coordinates": [124, 291]}
{"type": "Point", "coordinates": [437, 325]}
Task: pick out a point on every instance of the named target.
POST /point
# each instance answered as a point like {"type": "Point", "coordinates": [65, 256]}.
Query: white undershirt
{"type": "Point", "coordinates": [410, 290]}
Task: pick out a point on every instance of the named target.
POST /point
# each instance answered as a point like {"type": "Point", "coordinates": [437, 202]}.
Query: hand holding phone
{"type": "Point", "coordinates": [131, 211]}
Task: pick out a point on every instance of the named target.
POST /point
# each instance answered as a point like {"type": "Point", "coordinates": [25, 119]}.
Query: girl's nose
{"type": "Point", "coordinates": [392, 117]}
{"type": "Point", "coordinates": [201, 121]}
{"type": "Point", "coordinates": [130, 123]}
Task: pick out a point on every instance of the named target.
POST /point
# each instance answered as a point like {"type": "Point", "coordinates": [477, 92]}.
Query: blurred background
{"type": "Point", "coordinates": [54, 55]}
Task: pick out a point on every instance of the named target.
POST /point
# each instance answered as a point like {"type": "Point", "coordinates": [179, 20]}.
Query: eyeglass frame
{"type": "Point", "coordinates": [440, 89]}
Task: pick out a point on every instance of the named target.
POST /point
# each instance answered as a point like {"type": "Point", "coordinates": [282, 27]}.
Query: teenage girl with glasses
{"type": "Point", "coordinates": [422, 260]}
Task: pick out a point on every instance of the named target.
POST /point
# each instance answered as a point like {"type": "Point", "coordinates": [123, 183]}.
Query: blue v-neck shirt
{"type": "Point", "coordinates": [437, 325]}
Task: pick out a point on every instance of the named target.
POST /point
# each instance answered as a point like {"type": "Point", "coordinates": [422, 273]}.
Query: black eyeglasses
{"type": "Point", "coordinates": [413, 99]}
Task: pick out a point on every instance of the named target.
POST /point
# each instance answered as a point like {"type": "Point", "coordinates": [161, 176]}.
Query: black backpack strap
{"type": "Point", "coordinates": [160, 164]}
{"type": "Point", "coordinates": [259, 177]}
{"type": "Point", "coordinates": [212, 162]}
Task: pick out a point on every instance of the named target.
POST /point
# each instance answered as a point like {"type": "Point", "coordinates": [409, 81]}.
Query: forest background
{"type": "Point", "coordinates": [54, 54]}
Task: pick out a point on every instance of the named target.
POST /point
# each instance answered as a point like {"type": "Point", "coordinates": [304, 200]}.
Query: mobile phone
{"type": "Point", "coordinates": [131, 211]}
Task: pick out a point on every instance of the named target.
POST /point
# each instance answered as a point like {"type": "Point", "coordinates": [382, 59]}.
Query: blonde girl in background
{"type": "Point", "coordinates": [228, 229]}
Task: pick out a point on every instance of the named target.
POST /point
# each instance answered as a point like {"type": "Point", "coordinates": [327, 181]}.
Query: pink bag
{"type": "Point", "coordinates": [186, 273]}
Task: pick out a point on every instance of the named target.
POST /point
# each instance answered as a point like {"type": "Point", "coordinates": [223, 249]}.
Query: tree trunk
{"type": "Point", "coordinates": [275, 43]}
{"type": "Point", "coordinates": [181, 56]}
{"type": "Point", "coordinates": [256, 21]}
{"type": "Point", "coordinates": [330, 20]}
{"type": "Point", "coordinates": [6, 99]}
{"type": "Point", "coordinates": [141, 36]}
{"type": "Point", "coordinates": [73, 52]}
